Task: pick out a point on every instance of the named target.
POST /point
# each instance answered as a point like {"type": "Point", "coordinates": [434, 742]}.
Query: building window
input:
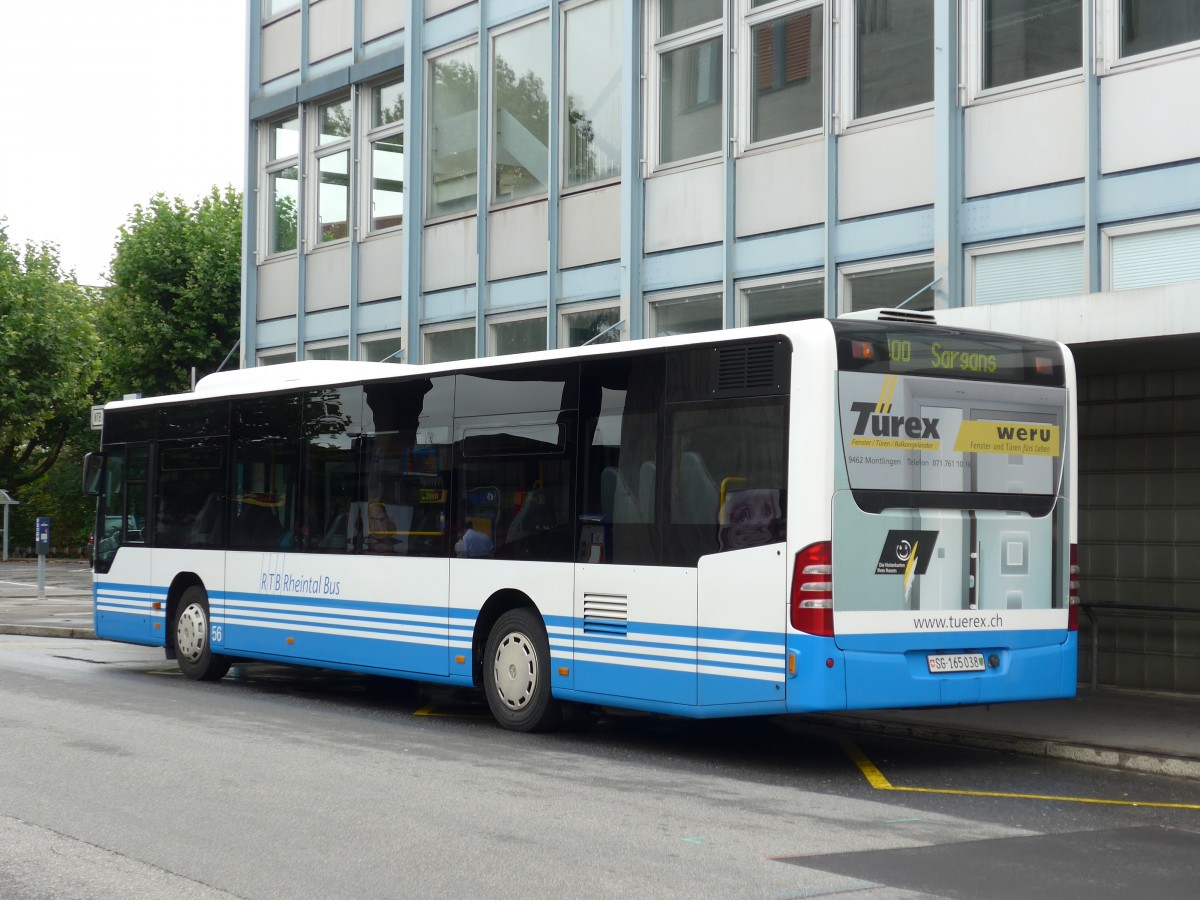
{"type": "Point", "coordinates": [1150, 25]}
{"type": "Point", "coordinates": [786, 44]}
{"type": "Point", "coordinates": [453, 165]}
{"type": "Point", "coordinates": [1025, 40]}
{"type": "Point", "coordinates": [448, 344]}
{"type": "Point", "coordinates": [688, 53]}
{"type": "Point", "coordinates": [275, 357]}
{"type": "Point", "coordinates": [282, 174]}
{"type": "Point", "coordinates": [1152, 253]}
{"type": "Point", "coordinates": [769, 302]}
{"type": "Point", "coordinates": [592, 93]}
{"type": "Point", "coordinates": [327, 350]}
{"type": "Point", "coordinates": [382, 347]}
{"type": "Point", "coordinates": [385, 155]}
{"type": "Point", "coordinates": [1026, 270]}
{"type": "Point", "coordinates": [872, 286]}
{"type": "Point", "coordinates": [522, 335]}
{"type": "Point", "coordinates": [589, 324]}
{"type": "Point", "coordinates": [331, 164]}
{"type": "Point", "coordinates": [520, 112]}
{"type": "Point", "coordinates": [893, 56]}
{"type": "Point", "coordinates": [273, 8]}
{"type": "Point", "coordinates": [686, 313]}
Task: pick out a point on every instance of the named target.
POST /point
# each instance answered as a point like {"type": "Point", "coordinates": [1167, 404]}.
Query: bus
{"type": "Point", "coordinates": [858, 513]}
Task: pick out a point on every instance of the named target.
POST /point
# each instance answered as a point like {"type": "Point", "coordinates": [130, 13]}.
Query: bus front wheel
{"type": "Point", "coordinates": [516, 673]}
{"type": "Point", "coordinates": [191, 633]}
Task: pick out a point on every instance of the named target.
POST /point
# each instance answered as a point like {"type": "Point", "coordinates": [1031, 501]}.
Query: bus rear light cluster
{"type": "Point", "coordinates": [812, 590]}
{"type": "Point", "coordinates": [1073, 591]}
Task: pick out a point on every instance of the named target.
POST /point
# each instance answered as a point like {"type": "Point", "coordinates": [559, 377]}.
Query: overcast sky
{"type": "Point", "coordinates": [105, 104]}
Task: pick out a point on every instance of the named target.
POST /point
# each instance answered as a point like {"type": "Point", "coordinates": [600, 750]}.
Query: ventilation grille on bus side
{"type": "Point", "coordinates": [605, 614]}
{"type": "Point", "coordinates": [747, 369]}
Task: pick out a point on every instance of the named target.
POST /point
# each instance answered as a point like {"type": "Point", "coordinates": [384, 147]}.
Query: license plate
{"type": "Point", "coordinates": [956, 662]}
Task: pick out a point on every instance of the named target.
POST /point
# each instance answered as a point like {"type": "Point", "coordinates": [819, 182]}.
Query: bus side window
{"type": "Point", "coordinates": [266, 433]}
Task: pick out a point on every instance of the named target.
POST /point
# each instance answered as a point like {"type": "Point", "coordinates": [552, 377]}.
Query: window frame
{"type": "Point", "coordinates": [270, 167]}
{"type": "Point", "coordinates": [317, 153]}
{"type": "Point", "coordinates": [1144, 226]}
{"type": "Point", "coordinates": [428, 215]}
{"type": "Point", "coordinates": [527, 315]}
{"type": "Point", "coordinates": [565, 10]}
{"type": "Point", "coordinates": [787, 279]}
{"type": "Point", "coordinates": [570, 309]}
{"type": "Point", "coordinates": [439, 328]}
{"type": "Point", "coordinates": [1109, 36]}
{"type": "Point", "coordinates": [397, 356]}
{"type": "Point", "coordinates": [750, 17]}
{"type": "Point", "coordinates": [327, 344]}
{"type": "Point", "coordinates": [286, 8]}
{"type": "Point", "coordinates": [264, 357]}
{"type": "Point", "coordinates": [372, 134]}
{"type": "Point", "coordinates": [974, 57]}
{"type": "Point", "coordinates": [845, 73]}
{"type": "Point", "coordinates": [680, 297]}
{"type": "Point", "coordinates": [657, 48]}
{"type": "Point", "coordinates": [500, 32]}
{"type": "Point", "coordinates": [973, 254]}
{"type": "Point", "coordinates": [847, 273]}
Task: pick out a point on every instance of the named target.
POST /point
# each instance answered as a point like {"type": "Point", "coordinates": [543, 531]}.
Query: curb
{"type": "Point", "coordinates": [48, 631]}
{"type": "Point", "coordinates": [1088, 754]}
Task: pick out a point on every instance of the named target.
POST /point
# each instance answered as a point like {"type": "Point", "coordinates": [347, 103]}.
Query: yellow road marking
{"type": "Point", "coordinates": [432, 711]}
{"type": "Point", "coordinates": [879, 782]}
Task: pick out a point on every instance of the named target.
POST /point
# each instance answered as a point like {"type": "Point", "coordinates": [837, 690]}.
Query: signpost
{"type": "Point", "coordinates": [42, 539]}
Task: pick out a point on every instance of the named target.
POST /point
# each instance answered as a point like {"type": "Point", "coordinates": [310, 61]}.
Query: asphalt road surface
{"type": "Point", "coordinates": [120, 778]}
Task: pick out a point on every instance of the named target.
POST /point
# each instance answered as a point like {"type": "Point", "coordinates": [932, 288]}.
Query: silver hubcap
{"type": "Point", "coordinates": [515, 671]}
{"type": "Point", "coordinates": [191, 632]}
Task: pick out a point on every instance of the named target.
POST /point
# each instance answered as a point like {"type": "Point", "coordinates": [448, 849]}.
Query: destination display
{"type": "Point", "coordinates": [900, 350]}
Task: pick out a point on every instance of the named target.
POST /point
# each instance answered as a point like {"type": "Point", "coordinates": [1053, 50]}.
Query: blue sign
{"type": "Point", "coordinates": [43, 530]}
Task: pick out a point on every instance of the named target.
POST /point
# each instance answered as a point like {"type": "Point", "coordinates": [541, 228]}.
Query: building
{"type": "Point", "coordinates": [438, 179]}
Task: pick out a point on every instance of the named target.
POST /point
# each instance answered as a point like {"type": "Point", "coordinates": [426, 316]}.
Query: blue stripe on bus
{"type": "Point", "coordinates": [701, 671]}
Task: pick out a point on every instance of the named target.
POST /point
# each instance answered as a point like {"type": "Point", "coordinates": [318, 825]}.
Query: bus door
{"type": "Point", "coordinates": [125, 598]}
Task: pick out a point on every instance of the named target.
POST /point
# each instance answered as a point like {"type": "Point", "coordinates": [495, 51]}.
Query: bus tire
{"type": "Point", "coordinates": [190, 631]}
{"type": "Point", "coordinates": [516, 673]}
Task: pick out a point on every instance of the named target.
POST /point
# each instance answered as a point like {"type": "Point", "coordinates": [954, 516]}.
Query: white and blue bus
{"type": "Point", "coordinates": [820, 515]}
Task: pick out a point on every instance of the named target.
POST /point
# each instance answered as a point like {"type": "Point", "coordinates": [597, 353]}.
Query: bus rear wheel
{"type": "Point", "coordinates": [191, 633]}
{"type": "Point", "coordinates": [516, 673]}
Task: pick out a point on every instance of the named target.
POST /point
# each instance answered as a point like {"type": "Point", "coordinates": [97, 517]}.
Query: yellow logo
{"type": "Point", "coordinates": [1015, 438]}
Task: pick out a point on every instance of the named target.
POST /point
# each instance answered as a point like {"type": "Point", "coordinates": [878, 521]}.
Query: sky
{"type": "Point", "coordinates": [105, 104]}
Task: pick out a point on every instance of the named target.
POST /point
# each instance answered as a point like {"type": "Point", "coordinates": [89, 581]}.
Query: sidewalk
{"type": "Point", "coordinates": [1137, 731]}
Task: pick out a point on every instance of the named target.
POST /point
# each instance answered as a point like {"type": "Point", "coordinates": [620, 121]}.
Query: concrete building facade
{"type": "Point", "coordinates": [435, 179]}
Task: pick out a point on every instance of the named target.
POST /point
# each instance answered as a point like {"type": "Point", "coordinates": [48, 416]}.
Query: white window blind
{"type": "Point", "coordinates": [1030, 273]}
{"type": "Point", "coordinates": [1148, 258]}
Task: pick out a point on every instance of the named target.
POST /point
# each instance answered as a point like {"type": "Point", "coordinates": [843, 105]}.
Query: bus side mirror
{"type": "Point", "coordinates": [93, 474]}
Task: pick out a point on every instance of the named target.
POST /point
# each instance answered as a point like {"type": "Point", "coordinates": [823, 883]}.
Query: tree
{"type": "Point", "coordinates": [48, 359]}
{"type": "Point", "coordinates": [175, 298]}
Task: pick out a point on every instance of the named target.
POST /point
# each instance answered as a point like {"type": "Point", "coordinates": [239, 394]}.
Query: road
{"type": "Point", "coordinates": [120, 778]}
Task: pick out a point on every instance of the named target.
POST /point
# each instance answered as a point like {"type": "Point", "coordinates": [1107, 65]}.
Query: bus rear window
{"type": "Point", "coordinates": [900, 349]}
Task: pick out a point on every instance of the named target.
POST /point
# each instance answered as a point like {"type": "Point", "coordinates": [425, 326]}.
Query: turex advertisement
{"type": "Point", "coordinates": [911, 433]}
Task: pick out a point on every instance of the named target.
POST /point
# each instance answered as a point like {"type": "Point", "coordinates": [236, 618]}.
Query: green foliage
{"type": "Point", "coordinates": [176, 294]}
{"type": "Point", "coordinates": [48, 359]}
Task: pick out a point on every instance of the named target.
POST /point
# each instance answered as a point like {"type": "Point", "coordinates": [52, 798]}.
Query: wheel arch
{"type": "Point", "coordinates": [496, 605]}
{"type": "Point", "coordinates": [175, 592]}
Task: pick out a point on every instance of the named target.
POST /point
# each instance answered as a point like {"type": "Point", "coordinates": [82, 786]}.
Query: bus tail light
{"type": "Point", "coordinates": [812, 590]}
{"type": "Point", "coordinates": [1073, 591]}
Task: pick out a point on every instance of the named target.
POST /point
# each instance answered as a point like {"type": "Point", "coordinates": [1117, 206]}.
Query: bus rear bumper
{"type": "Point", "coordinates": [828, 678]}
